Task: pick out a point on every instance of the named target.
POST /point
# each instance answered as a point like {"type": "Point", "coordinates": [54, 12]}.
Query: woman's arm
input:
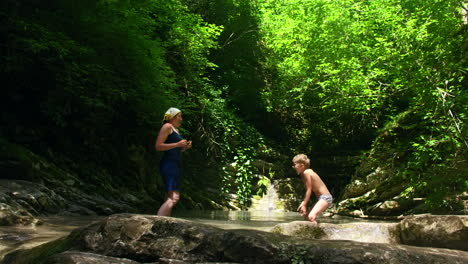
{"type": "Point", "coordinates": [164, 132]}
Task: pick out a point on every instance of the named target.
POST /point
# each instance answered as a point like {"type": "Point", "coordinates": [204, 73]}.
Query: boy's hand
{"type": "Point", "coordinates": [302, 209]}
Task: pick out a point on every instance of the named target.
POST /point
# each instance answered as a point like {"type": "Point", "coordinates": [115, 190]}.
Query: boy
{"type": "Point", "coordinates": [312, 183]}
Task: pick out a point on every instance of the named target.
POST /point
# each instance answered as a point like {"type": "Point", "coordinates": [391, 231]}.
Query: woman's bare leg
{"type": "Point", "coordinates": [172, 197]}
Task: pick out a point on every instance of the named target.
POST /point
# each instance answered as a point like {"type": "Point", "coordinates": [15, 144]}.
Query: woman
{"type": "Point", "coordinates": [170, 141]}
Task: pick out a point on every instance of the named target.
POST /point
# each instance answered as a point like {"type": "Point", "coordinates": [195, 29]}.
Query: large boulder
{"type": "Point", "coordinates": [151, 239]}
{"type": "Point", "coordinates": [446, 231]}
{"type": "Point", "coordinates": [145, 238]}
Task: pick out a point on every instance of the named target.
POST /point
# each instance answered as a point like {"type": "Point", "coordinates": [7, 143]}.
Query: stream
{"type": "Point", "coordinates": [54, 227]}
{"type": "Point", "coordinates": [257, 219]}
{"type": "Point", "coordinates": [263, 215]}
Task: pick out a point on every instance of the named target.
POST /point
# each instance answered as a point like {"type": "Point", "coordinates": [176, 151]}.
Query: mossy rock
{"type": "Point", "coordinates": [301, 229]}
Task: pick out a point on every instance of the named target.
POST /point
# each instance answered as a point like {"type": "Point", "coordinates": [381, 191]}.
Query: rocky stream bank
{"type": "Point", "coordinates": [133, 239]}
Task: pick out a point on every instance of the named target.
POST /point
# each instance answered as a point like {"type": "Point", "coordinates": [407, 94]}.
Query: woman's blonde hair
{"type": "Point", "coordinates": [302, 158]}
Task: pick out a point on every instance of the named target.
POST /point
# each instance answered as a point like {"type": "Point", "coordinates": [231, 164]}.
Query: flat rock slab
{"type": "Point", "coordinates": [360, 232]}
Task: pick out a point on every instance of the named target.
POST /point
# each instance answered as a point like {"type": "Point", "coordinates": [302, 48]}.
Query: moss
{"type": "Point", "coordinates": [302, 232]}
{"type": "Point", "coordinates": [309, 232]}
{"type": "Point", "coordinates": [277, 230]}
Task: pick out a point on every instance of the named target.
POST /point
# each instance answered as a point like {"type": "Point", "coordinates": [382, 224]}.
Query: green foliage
{"type": "Point", "coordinates": [262, 185]}
{"type": "Point", "coordinates": [239, 74]}
{"type": "Point", "coordinates": [345, 66]}
{"type": "Point", "coordinates": [90, 81]}
{"type": "Point", "coordinates": [86, 83]}
{"type": "Point", "coordinates": [233, 143]}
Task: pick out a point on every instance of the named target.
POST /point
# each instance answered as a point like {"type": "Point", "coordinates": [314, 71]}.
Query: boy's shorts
{"type": "Point", "coordinates": [327, 198]}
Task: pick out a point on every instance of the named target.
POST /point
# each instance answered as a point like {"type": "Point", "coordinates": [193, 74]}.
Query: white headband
{"type": "Point", "coordinates": [170, 113]}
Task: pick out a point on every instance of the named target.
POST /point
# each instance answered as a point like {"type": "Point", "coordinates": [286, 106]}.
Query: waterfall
{"type": "Point", "coordinates": [269, 202]}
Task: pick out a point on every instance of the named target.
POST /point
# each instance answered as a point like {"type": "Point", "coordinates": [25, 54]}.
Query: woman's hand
{"type": "Point", "coordinates": [189, 144]}
{"type": "Point", "coordinates": [182, 144]}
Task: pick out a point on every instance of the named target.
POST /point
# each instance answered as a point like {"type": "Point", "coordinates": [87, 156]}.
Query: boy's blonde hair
{"type": "Point", "coordinates": [302, 158]}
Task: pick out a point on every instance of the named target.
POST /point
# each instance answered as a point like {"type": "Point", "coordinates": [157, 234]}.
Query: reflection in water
{"type": "Point", "coordinates": [22, 237]}
{"type": "Point", "coordinates": [259, 220]}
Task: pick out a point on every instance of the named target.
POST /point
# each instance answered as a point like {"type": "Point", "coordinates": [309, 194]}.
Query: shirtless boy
{"type": "Point", "coordinates": [312, 184]}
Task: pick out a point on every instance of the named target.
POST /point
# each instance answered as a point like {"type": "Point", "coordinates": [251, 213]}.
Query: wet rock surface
{"type": "Point", "coordinates": [11, 215]}
{"type": "Point", "coordinates": [22, 201]}
{"type": "Point", "coordinates": [445, 231]}
{"type": "Point", "coordinates": [360, 232]}
{"type": "Point", "coordinates": [441, 231]}
{"type": "Point", "coordinates": [73, 257]}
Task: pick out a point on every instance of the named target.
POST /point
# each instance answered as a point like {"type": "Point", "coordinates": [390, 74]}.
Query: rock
{"type": "Point", "coordinates": [29, 198]}
{"type": "Point", "coordinates": [147, 238]}
{"type": "Point", "coordinates": [360, 186]}
{"type": "Point", "coordinates": [15, 216]}
{"type": "Point", "coordinates": [151, 239]}
{"type": "Point", "coordinates": [74, 209]}
{"type": "Point", "coordinates": [363, 232]}
{"type": "Point", "coordinates": [301, 229]}
{"type": "Point", "coordinates": [354, 189]}
{"type": "Point", "coordinates": [397, 206]}
{"type": "Point", "coordinates": [37, 185]}
{"type": "Point", "coordinates": [350, 252]}
{"type": "Point", "coordinates": [385, 208]}
{"type": "Point", "coordinates": [262, 167]}
{"type": "Point", "coordinates": [73, 257]}
{"type": "Point", "coordinates": [446, 231]}
{"type": "Point", "coordinates": [360, 232]}
{"type": "Point", "coordinates": [355, 206]}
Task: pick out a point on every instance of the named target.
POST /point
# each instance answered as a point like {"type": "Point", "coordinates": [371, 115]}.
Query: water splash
{"type": "Point", "coordinates": [269, 202]}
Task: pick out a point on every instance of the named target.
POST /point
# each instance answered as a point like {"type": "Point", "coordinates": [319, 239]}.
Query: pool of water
{"type": "Point", "coordinates": [23, 237]}
{"type": "Point", "coordinates": [259, 220]}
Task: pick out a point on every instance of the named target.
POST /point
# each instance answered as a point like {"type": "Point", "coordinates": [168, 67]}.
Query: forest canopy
{"type": "Point", "coordinates": [86, 83]}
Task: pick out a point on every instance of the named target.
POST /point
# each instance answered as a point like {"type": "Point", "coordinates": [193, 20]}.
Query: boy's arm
{"type": "Point", "coordinates": [308, 186]}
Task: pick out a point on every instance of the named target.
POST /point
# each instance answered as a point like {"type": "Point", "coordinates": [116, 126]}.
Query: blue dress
{"type": "Point", "coordinates": [170, 165]}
